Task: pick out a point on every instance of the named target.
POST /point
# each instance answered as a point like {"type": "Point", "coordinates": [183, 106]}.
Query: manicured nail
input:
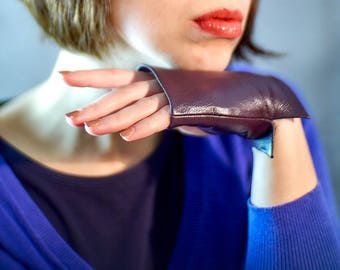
{"type": "Point", "coordinates": [64, 71]}
{"type": "Point", "coordinates": [62, 74]}
{"type": "Point", "coordinates": [126, 134]}
{"type": "Point", "coordinates": [93, 123]}
{"type": "Point", "coordinates": [71, 119]}
{"type": "Point", "coordinates": [73, 114]}
{"type": "Point", "coordinates": [88, 127]}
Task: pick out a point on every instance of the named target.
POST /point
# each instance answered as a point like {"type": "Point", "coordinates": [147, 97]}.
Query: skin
{"type": "Point", "coordinates": [167, 31]}
{"type": "Point", "coordinates": [136, 109]}
{"type": "Point", "coordinates": [168, 35]}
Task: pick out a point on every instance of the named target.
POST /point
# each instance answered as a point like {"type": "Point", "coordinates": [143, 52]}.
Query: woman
{"type": "Point", "coordinates": [157, 199]}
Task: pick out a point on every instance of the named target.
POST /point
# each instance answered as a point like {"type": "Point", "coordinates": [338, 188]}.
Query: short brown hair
{"type": "Point", "coordinates": [80, 25]}
{"type": "Point", "coordinates": [85, 25]}
{"type": "Point", "coordinates": [247, 45]}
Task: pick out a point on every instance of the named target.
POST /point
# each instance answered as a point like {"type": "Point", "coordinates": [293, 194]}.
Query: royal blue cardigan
{"type": "Point", "coordinates": [220, 229]}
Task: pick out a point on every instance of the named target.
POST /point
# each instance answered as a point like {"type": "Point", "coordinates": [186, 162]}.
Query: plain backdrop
{"type": "Point", "coordinates": [307, 31]}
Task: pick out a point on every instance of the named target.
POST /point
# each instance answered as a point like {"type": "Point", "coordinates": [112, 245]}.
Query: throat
{"type": "Point", "coordinates": [86, 156]}
{"type": "Point", "coordinates": [34, 123]}
{"type": "Point", "coordinates": [46, 138]}
{"type": "Point", "coordinates": [115, 158]}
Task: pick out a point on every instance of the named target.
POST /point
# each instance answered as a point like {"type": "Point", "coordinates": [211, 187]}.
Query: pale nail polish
{"type": "Point", "coordinates": [126, 134]}
{"type": "Point", "coordinates": [93, 123]}
{"type": "Point", "coordinates": [62, 72]}
{"type": "Point", "coordinates": [73, 114]}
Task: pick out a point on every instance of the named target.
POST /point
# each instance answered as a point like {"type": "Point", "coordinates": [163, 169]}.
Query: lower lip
{"type": "Point", "coordinates": [230, 29]}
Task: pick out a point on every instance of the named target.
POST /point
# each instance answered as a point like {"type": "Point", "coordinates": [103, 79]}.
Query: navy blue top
{"type": "Point", "coordinates": [128, 220]}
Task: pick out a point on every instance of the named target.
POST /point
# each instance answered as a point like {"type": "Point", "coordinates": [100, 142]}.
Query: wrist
{"type": "Point", "coordinates": [290, 174]}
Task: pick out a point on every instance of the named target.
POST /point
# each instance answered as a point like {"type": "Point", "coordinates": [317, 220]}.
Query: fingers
{"type": "Point", "coordinates": [128, 116]}
{"type": "Point", "coordinates": [148, 126]}
{"type": "Point", "coordinates": [104, 78]}
{"type": "Point", "coordinates": [136, 107]}
{"type": "Point", "coordinates": [113, 101]}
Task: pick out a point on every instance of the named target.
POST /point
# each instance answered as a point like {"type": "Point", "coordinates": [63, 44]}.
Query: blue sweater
{"type": "Point", "coordinates": [219, 229]}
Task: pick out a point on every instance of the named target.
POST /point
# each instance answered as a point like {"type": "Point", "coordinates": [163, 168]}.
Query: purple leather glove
{"type": "Point", "coordinates": [228, 102]}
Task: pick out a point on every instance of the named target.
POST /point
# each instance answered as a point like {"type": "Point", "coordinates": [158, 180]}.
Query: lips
{"type": "Point", "coordinates": [222, 23]}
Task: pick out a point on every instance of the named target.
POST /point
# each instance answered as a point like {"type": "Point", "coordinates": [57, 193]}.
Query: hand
{"type": "Point", "coordinates": [136, 107]}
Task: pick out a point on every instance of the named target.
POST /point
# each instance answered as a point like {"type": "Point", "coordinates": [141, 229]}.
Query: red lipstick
{"type": "Point", "coordinates": [222, 23]}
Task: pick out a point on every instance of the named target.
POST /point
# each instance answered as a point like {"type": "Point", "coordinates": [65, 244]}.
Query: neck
{"type": "Point", "coordinates": [121, 57]}
{"type": "Point", "coordinates": [38, 115]}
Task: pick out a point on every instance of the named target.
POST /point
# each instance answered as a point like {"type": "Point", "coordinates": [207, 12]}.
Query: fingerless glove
{"type": "Point", "coordinates": [228, 102]}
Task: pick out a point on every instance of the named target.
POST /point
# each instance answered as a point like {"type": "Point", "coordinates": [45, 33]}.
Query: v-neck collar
{"type": "Point", "coordinates": [60, 253]}
{"type": "Point", "coordinates": [33, 222]}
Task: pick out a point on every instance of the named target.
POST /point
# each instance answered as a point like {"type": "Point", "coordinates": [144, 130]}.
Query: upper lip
{"type": "Point", "coordinates": [221, 14]}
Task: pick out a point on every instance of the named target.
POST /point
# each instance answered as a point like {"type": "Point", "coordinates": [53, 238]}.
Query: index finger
{"type": "Point", "coordinates": [104, 78]}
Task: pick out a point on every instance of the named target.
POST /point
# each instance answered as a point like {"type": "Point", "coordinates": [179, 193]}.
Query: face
{"type": "Point", "coordinates": [188, 34]}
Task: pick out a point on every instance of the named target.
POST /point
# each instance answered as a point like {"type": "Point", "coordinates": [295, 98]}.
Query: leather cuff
{"type": "Point", "coordinates": [227, 102]}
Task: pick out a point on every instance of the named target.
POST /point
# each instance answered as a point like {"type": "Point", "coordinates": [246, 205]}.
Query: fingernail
{"type": "Point", "coordinates": [73, 114]}
{"type": "Point", "coordinates": [93, 123]}
{"type": "Point", "coordinates": [88, 127]}
{"type": "Point", "coordinates": [126, 134]}
{"type": "Point", "coordinates": [71, 119]}
{"type": "Point", "coordinates": [62, 72]}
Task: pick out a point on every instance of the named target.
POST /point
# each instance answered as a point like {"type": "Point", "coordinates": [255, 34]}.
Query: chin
{"type": "Point", "coordinates": [217, 62]}
{"type": "Point", "coordinates": [213, 57]}
{"type": "Point", "coordinates": [211, 65]}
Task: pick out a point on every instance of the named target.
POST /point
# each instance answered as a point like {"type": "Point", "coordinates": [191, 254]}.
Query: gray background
{"type": "Point", "coordinates": [308, 31]}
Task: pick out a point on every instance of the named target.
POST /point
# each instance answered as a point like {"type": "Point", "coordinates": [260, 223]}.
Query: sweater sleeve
{"type": "Point", "coordinates": [298, 235]}
{"type": "Point", "coordinates": [302, 234]}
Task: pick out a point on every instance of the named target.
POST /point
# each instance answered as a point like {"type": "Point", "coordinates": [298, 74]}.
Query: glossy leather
{"type": "Point", "coordinates": [233, 102]}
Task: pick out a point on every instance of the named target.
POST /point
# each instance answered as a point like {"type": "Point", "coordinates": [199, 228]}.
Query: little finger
{"type": "Point", "coordinates": [154, 123]}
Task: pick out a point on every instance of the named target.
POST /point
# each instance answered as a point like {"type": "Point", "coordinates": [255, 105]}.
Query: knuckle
{"type": "Point", "coordinates": [141, 84]}
{"type": "Point", "coordinates": [165, 110]}
{"type": "Point", "coordinates": [154, 86]}
{"type": "Point", "coordinates": [148, 102]}
{"type": "Point", "coordinates": [117, 121]}
{"type": "Point", "coordinates": [90, 109]}
{"type": "Point", "coordinates": [151, 126]}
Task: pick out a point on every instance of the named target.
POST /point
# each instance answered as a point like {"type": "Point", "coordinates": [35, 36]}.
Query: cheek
{"type": "Point", "coordinates": [136, 29]}
{"type": "Point", "coordinates": [214, 55]}
{"type": "Point", "coordinates": [127, 20]}
{"type": "Point", "coordinates": [246, 8]}
{"type": "Point", "coordinates": [164, 34]}
{"type": "Point", "coordinates": [152, 34]}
